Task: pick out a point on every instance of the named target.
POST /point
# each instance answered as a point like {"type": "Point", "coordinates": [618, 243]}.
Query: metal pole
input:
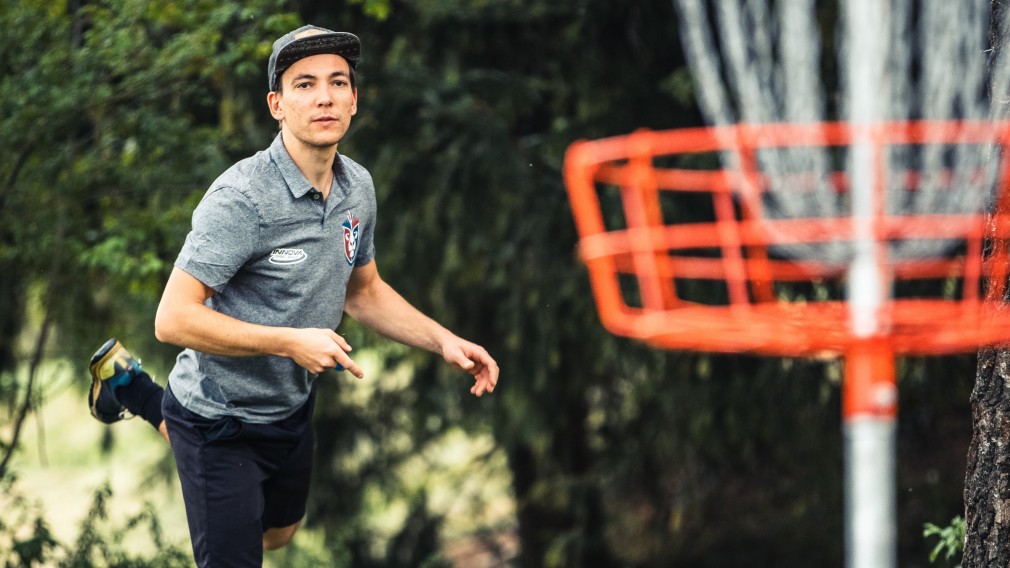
{"type": "Point", "coordinates": [870, 393]}
{"type": "Point", "coordinates": [869, 411]}
{"type": "Point", "coordinates": [870, 497]}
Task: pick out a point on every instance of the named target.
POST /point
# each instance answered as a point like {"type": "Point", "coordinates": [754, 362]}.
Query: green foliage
{"type": "Point", "coordinates": [26, 540]}
{"type": "Point", "coordinates": [950, 540]}
{"type": "Point", "coordinates": [378, 9]}
{"type": "Point", "coordinates": [114, 123]}
{"type": "Point", "coordinates": [100, 544]}
{"type": "Point", "coordinates": [115, 115]}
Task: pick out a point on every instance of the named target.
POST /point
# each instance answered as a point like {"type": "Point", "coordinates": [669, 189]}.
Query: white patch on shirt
{"type": "Point", "coordinates": [287, 256]}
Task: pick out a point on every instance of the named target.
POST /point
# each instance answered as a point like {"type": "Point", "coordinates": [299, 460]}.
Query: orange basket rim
{"type": "Point", "coordinates": [769, 326]}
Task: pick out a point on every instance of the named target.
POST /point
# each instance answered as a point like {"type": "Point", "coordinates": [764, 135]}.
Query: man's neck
{"type": "Point", "coordinates": [316, 164]}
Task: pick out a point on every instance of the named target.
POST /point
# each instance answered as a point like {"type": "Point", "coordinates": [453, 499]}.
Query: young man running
{"type": "Point", "coordinates": [281, 246]}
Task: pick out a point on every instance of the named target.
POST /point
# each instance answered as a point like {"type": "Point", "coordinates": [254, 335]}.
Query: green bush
{"type": "Point", "coordinates": [26, 540]}
{"type": "Point", "coordinates": [951, 540]}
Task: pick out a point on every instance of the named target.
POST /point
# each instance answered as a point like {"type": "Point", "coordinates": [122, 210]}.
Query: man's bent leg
{"type": "Point", "coordinates": [286, 493]}
{"type": "Point", "coordinates": [163, 430]}
{"type": "Point", "coordinates": [279, 537]}
{"type": "Point", "coordinates": [221, 486]}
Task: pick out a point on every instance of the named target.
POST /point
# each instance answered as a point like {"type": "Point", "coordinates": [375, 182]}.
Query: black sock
{"type": "Point", "coordinates": [142, 397]}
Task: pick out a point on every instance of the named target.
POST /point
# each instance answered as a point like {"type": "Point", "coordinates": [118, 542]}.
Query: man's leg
{"type": "Point", "coordinates": [287, 491]}
{"type": "Point", "coordinates": [279, 537]}
{"type": "Point", "coordinates": [221, 477]}
{"type": "Point", "coordinates": [121, 389]}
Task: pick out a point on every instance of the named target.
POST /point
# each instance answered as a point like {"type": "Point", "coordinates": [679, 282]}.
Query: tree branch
{"type": "Point", "coordinates": [40, 342]}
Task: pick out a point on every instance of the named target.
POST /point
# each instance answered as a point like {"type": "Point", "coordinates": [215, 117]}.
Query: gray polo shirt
{"type": "Point", "coordinates": [275, 254]}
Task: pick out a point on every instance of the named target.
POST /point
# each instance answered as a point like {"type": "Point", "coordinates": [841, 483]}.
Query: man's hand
{"type": "Point", "coordinates": [317, 350]}
{"type": "Point", "coordinates": [475, 360]}
{"type": "Point", "coordinates": [374, 303]}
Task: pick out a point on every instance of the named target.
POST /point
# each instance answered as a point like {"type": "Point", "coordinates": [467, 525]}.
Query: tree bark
{"type": "Point", "coordinates": [987, 482]}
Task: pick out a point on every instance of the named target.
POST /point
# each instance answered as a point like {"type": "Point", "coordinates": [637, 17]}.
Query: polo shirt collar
{"type": "Point", "coordinates": [293, 177]}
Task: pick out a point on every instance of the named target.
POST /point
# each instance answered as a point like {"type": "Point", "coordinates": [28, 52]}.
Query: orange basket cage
{"type": "Point", "coordinates": [734, 250]}
{"type": "Point", "coordinates": [734, 281]}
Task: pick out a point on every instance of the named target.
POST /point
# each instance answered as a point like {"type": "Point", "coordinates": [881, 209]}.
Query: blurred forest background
{"type": "Point", "coordinates": [115, 116]}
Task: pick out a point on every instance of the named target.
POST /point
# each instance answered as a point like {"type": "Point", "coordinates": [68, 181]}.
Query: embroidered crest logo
{"type": "Point", "coordinates": [350, 238]}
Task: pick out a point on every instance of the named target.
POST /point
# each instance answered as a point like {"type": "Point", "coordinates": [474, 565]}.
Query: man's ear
{"type": "Point", "coordinates": [274, 104]}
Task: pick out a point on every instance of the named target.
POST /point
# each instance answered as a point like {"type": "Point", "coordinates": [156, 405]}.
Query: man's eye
{"type": "Point", "coordinates": [302, 85]}
{"type": "Point", "coordinates": [340, 83]}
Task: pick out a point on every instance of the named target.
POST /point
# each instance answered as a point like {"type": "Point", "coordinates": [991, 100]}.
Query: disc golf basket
{"type": "Point", "coordinates": [687, 253]}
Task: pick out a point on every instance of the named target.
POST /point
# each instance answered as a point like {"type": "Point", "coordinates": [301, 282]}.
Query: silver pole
{"type": "Point", "coordinates": [870, 500]}
{"type": "Point", "coordinates": [869, 437]}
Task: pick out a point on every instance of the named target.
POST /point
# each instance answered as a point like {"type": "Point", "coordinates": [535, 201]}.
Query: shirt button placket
{"type": "Point", "coordinates": [317, 197]}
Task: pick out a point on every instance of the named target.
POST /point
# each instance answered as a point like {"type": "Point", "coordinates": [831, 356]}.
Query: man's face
{"type": "Point", "coordinates": [316, 101]}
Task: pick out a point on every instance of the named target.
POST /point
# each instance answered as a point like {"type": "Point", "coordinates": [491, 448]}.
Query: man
{"type": "Point", "coordinates": [281, 246]}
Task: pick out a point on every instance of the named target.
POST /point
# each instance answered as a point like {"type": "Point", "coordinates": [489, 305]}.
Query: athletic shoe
{"type": "Point", "coordinates": [111, 367]}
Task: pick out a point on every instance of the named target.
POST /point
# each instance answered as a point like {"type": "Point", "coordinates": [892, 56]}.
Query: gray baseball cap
{"type": "Point", "coordinates": [307, 41]}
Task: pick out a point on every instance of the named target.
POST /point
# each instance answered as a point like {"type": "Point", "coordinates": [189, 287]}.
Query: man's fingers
{"type": "Point", "coordinates": [485, 378]}
{"type": "Point", "coordinates": [460, 359]}
{"type": "Point", "coordinates": [344, 363]}
{"type": "Point", "coordinates": [343, 344]}
{"type": "Point", "coordinates": [341, 362]}
{"type": "Point", "coordinates": [476, 361]}
{"type": "Point", "coordinates": [481, 386]}
{"type": "Point", "coordinates": [488, 373]}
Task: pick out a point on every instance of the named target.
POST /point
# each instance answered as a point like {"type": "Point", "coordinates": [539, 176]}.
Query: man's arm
{"type": "Point", "coordinates": [374, 303]}
{"type": "Point", "coordinates": [184, 320]}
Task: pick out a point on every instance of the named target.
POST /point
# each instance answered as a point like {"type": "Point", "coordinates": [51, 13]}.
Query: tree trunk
{"type": "Point", "coordinates": [566, 526]}
{"type": "Point", "coordinates": [987, 483]}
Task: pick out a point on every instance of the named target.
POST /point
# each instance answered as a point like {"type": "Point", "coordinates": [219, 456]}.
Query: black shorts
{"type": "Point", "coordinates": [239, 479]}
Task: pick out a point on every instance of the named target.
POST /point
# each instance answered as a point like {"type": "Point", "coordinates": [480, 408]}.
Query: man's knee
{"type": "Point", "coordinates": [279, 537]}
